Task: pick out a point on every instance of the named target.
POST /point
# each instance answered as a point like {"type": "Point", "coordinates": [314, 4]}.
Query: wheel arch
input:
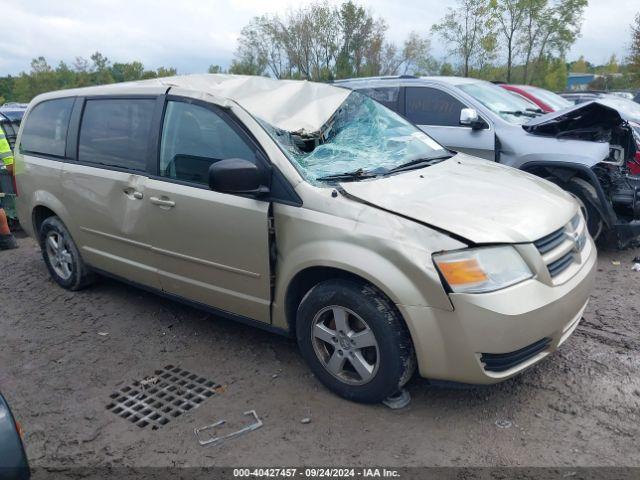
{"type": "Point", "coordinates": [45, 204]}
{"type": "Point", "coordinates": [304, 280]}
{"type": "Point", "coordinates": [562, 172]}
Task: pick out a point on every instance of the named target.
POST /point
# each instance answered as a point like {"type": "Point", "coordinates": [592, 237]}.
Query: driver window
{"type": "Point", "coordinates": [194, 137]}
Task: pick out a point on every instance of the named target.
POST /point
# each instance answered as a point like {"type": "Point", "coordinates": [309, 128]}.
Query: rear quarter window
{"type": "Point", "coordinates": [45, 128]}
{"type": "Point", "coordinates": [115, 132]}
{"type": "Point", "coordinates": [388, 96]}
{"type": "Point", "coordinates": [429, 106]}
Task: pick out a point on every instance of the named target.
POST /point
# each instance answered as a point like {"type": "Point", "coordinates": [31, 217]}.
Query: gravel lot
{"type": "Point", "coordinates": [58, 369]}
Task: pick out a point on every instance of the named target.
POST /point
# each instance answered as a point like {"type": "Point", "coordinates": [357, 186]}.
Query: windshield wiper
{"type": "Point", "coordinates": [354, 176]}
{"type": "Point", "coordinates": [418, 163]}
{"type": "Point", "coordinates": [519, 113]}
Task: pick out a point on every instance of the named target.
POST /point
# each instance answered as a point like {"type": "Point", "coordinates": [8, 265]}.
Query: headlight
{"type": "Point", "coordinates": [481, 270]}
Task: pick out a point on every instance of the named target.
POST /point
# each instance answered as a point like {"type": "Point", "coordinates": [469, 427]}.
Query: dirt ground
{"type": "Point", "coordinates": [579, 407]}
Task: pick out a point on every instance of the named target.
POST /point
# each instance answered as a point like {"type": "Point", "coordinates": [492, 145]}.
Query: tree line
{"type": "Point", "coordinates": [97, 70]}
{"type": "Point", "coordinates": [524, 41]}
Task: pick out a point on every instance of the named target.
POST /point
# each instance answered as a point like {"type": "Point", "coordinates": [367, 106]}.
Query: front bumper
{"type": "Point", "coordinates": [449, 344]}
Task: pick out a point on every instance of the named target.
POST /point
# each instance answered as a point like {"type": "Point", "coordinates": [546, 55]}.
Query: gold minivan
{"type": "Point", "coordinates": [311, 211]}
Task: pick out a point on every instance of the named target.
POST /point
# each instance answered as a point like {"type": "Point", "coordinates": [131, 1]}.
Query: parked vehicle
{"type": "Point", "coordinates": [544, 99]}
{"type": "Point", "coordinates": [312, 211]}
{"type": "Point", "coordinates": [583, 96]}
{"type": "Point", "coordinates": [10, 117]}
{"type": "Point", "coordinates": [13, 459]}
{"type": "Point", "coordinates": [628, 110]}
{"type": "Point", "coordinates": [584, 149]}
{"type": "Point", "coordinates": [623, 94]}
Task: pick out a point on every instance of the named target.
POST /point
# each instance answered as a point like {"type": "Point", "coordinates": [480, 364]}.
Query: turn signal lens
{"type": "Point", "coordinates": [481, 270]}
{"type": "Point", "coordinates": [462, 272]}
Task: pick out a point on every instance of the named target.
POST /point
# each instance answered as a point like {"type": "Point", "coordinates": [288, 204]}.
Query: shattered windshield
{"type": "Point", "coordinates": [509, 107]}
{"type": "Point", "coordinates": [362, 137]}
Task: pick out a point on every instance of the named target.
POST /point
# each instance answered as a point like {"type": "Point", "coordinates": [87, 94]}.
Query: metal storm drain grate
{"type": "Point", "coordinates": [158, 399]}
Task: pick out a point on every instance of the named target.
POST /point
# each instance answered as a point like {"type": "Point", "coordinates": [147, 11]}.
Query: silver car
{"type": "Point", "coordinates": [585, 149]}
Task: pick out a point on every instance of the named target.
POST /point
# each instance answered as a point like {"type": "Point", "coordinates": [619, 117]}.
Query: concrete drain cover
{"type": "Point", "coordinates": [158, 399]}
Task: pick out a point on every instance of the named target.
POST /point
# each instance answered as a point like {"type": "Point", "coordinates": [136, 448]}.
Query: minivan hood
{"type": "Point", "coordinates": [481, 201]}
{"type": "Point", "coordinates": [574, 118]}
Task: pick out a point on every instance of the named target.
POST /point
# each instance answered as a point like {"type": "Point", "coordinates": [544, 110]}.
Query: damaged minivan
{"type": "Point", "coordinates": [589, 150]}
{"type": "Point", "coordinates": [311, 211]}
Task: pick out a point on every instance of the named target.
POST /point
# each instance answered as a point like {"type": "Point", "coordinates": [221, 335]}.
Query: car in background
{"type": "Point", "coordinates": [546, 100]}
{"type": "Point", "coordinates": [623, 94]}
{"type": "Point", "coordinates": [583, 97]}
{"type": "Point", "coordinates": [10, 117]}
{"type": "Point", "coordinates": [13, 459]}
{"type": "Point", "coordinates": [584, 149]}
{"type": "Point", "coordinates": [629, 111]}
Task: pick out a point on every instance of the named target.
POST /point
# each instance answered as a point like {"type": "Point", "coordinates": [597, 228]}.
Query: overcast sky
{"type": "Point", "coordinates": [192, 34]}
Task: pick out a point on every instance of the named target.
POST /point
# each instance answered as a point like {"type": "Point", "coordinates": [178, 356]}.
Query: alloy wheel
{"type": "Point", "coordinates": [345, 345]}
{"type": "Point", "coordinates": [59, 255]}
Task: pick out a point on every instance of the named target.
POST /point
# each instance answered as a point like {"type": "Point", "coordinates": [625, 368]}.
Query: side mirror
{"type": "Point", "coordinates": [236, 175]}
{"type": "Point", "coordinates": [469, 118]}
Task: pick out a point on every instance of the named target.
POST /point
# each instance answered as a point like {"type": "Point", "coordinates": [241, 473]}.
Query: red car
{"type": "Point", "coordinates": [546, 100]}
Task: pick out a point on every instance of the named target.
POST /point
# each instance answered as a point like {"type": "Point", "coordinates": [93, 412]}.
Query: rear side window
{"type": "Point", "coordinates": [115, 132]}
{"type": "Point", "coordinates": [388, 96]}
{"type": "Point", "coordinates": [429, 106]}
{"type": "Point", "coordinates": [194, 137]}
{"type": "Point", "coordinates": [45, 129]}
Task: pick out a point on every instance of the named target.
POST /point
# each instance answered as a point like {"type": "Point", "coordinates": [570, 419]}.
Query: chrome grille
{"type": "Point", "coordinates": [561, 248]}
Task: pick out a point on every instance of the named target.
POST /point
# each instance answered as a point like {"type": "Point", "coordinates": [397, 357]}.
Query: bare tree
{"type": "Point", "coordinates": [509, 16]}
{"type": "Point", "coordinates": [634, 53]}
{"type": "Point", "coordinates": [463, 28]}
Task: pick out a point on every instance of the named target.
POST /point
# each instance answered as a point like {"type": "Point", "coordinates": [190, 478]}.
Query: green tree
{"type": "Point", "coordinates": [100, 70]}
{"type": "Point", "coordinates": [580, 66]}
{"type": "Point", "coordinates": [509, 16]}
{"type": "Point", "coordinates": [166, 72]}
{"type": "Point", "coordinates": [215, 69]}
{"type": "Point", "coordinates": [464, 28]}
{"type": "Point", "coordinates": [634, 53]}
{"type": "Point", "coordinates": [555, 78]}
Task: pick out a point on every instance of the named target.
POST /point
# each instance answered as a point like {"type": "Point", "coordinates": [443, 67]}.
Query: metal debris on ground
{"type": "Point", "coordinates": [103, 334]}
{"type": "Point", "coordinates": [305, 420]}
{"type": "Point", "coordinates": [159, 398]}
{"type": "Point", "coordinates": [398, 400]}
{"type": "Point", "coordinates": [217, 440]}
{"type": "Point", "coordinates": [615, 262]}
{"type": "Point", "coordinates": [636, 267]}
{"type": "Point", "coordinates": [503, 423]}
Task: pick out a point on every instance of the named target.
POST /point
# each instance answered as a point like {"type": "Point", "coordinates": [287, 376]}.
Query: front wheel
{"type": "Point", "coordinates": [586, 195]}
{"type": "Point", "coordinates": [354, 341]}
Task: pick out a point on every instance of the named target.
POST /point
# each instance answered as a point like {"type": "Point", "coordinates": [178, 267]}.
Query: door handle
{"type": "Point", "coordinates": [131, 193]}
{"type": "Point", "coordinates": [162, 202]}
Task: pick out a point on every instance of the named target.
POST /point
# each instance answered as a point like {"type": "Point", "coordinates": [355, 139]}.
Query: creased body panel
{"type": "Point", "coordinates": [479, 200]}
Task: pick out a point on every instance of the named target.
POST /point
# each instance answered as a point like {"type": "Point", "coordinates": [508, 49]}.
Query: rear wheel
{"type": "Point", "coordinates": [354, 341]}
{"type": "Point", "coordinates": [585, 194]}
{"type": "Point", "coordinates": [62, 257]}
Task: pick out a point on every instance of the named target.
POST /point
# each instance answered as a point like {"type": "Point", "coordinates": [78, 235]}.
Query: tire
{"type": "Point", "coordinates": [586, 196]}
{"type": "Point", "coordinates": [366, 360]}
{"type": "Point", "coordinates": [62, 257]}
